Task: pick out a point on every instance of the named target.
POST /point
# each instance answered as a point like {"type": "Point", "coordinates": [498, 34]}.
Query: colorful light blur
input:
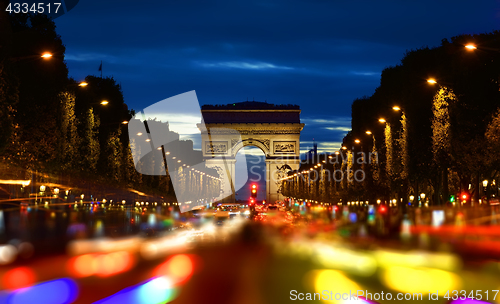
{"type": "Point", "coordinates": [420, 280]}
{"type": "Point", "coordinates": [346, 260]}
{"type": "Point", "coordinates": [24, 183]}
{"type": "Point", "coordinates": [8, 254]}
{"type": "Point", "coordinates": [60, 291]}
{"type": "Point", "coordinates": [102, 265]}
{"type": "Point", "coordinates": [18, 278]}
{"type": "Point", "coordinates": [334, 281]}
{"type": "Point", "coordinates": [155, 291]}
{"type": "Point", "coordinates": [179, 268]}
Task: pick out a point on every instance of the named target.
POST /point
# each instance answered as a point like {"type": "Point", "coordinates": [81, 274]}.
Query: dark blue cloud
{"type": "Point", "coordinates": [318, 54]}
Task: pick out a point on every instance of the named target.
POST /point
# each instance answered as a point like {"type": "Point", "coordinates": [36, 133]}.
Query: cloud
{"type": "Point", "coordinates": [323, 147]}
{"type": "Point", "coordinates": [184, 124]}
{"type": "Point", "coordinates": [376, 74]}
{"type": "Point", "coordinates": [344, 129]}
{"type": "Point", "coordinates": [90, 57]}
{"type": "Point", "coordinates": [323, 121]}
{"type": "Point", "coordinates": [243, 65]}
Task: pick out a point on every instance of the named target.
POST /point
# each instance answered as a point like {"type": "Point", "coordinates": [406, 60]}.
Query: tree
{"type": "Point", "coordinates": [389, 153]}
{"type": "Point", "coordinates": [114, 157]}
{"type": "Point", "coordinates": [9, 94]}
{"type": "Point", "coordinates": [441, 138]}
{"type": "Point", "coordinates": [69, 140]}
{"type": "Point", "coordinates": [90, 148]}
{"type": "Point", "coordinates": [40, 83]}
{"type": "Point", "coordinates": [491, 154]}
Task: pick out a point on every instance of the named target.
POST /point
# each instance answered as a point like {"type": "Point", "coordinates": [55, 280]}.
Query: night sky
{"type": "Point", "coordinates": [318, 54]}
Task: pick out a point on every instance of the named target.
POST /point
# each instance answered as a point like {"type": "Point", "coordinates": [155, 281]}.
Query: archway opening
{"type": "Point", "coordinates": [253, 173]}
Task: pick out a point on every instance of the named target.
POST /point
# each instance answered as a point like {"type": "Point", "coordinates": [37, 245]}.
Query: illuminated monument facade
{"type": "Point", "coordinates": [274, 129]}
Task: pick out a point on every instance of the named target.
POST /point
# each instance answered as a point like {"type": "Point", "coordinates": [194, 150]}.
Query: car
{"type": "Point", "coordinates": [272, 207]}
{"type": "Point", "coordinates": [227, 210]}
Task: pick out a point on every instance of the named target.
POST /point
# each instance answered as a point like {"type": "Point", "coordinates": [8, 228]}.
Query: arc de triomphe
{"type": "Point", "coordinates": [274, 129]}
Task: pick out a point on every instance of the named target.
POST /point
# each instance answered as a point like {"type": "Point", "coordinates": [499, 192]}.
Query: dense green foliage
{"type": "Point", "coordinates": [443, 140]}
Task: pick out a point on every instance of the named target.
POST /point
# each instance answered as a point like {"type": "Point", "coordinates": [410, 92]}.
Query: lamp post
{"type": "Point", "coordinates": [45, 56]}
{"type": "Point", "coordinates": [441, 140]}
{"type": "Point", "coordinates": [471, 47]}
{"type": "Point", "coordinates": [389, 151]}
{"type": "Point", "coordinates": [422, 197]}
{"type": "Point", "coordinates": [404, 150]}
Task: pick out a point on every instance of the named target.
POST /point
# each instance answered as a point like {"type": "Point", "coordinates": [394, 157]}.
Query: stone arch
{"type": "Point", "coordinates": [274, 129]}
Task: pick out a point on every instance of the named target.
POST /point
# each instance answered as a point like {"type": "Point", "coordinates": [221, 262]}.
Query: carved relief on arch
{"type": "Point", "coordinates": [261, 144]}
{"type": "Point", "coordinates": [234, 141]}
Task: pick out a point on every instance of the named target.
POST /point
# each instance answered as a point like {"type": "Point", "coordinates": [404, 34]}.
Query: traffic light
{"type": "Point", "coordinates": [452, 198]}
{"type": "Point", "coordinates": [254, 190]}
{"type": "Point", "coordinates": [464, 196]}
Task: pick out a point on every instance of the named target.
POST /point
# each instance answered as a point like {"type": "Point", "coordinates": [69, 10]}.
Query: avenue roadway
{"type": "Point", "coordinates": [125, 254]}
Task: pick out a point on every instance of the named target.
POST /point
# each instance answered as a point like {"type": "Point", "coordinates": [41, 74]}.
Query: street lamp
{"type": "Point", "coordinates": [431, 81]}
{"type": "Point", "coordinates": [357, 141]}
{"type": "Point", "coordinates": [470, 47]}
{"type": "Point", "coordinates": [382, 120]}
{"type": "Point", "coordinates": [83, 84]}
{"type": "Point", "coordinates": [46, 55]}
{"type": "Point", "coordinates": [369, 132]}
{"type": "Point", "coordinates": [104, 102]}
{"type": "Point", "coordinates": [396, 108]}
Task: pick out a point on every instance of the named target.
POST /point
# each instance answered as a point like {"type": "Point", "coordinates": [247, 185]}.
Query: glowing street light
{"type": "Point", "coordinates": [382, 120]}
{"type": "Point", "coordinates": [431, 81]}
{"type": "Point", "coordinates": [125, 122]}
{"type": "Point", "coordinates": [344, 148]}
{"type": "Point", "coordinates": [470, 47]}
{"type": "Point", "coordinates": [357, 141]}
{"type": "Point", "coordinates": [369, 132]}
{"type": "Point", "coordinates": [104, 102]}
{"type": "Point", "coordinates": [396, 108]}
{"type": "Point", "coordinates": [83, 84]}
{"type": "Point", "coordinates": [46, 55]}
